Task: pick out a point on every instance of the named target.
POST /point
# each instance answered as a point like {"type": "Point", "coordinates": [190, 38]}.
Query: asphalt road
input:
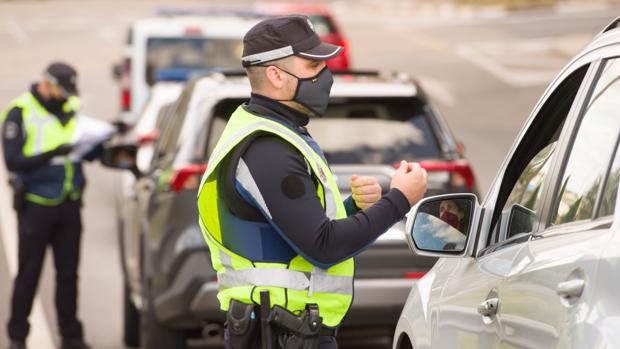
{"type": "Point", "coordinates": [485, 70]}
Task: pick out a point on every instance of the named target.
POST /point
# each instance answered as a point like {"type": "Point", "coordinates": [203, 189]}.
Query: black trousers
{"type": "Point", "coordinates": [59, 227]}
{"type": "Point", "coordinates": [325, 342]}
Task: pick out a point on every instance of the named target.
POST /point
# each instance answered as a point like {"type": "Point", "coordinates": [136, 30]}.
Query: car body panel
{"type": "Point", "coordinates": [527, 275]}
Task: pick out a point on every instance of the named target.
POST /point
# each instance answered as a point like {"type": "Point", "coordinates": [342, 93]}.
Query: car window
{"type": "Point", "coordinates": [380, 131]}
{"type": "Point", "coordinates": [592, 151]}
{"type": "Point", "coordinates": [322, 25]}
{"type": "Point", "coordinates": [170, 127]}
{"type": "Point", "coordinates": [610, 193]}
{"type": "Point", "coordinates": [519, 203]}
{"type": "Point", "coordinates": [521, 210]}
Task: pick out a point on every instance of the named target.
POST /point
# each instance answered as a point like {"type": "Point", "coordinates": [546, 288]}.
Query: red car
{"type": "Point", "coordinates": [324, 25]}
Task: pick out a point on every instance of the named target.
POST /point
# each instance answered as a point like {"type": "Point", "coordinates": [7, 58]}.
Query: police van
{"type": "Point", "coordinates": [174, 46]}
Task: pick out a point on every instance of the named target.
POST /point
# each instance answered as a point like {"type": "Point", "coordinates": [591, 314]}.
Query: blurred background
{"type": "Point", "coordinates": [483, 63]}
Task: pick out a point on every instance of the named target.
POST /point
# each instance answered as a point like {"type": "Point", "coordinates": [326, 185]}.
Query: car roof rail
{"type": "Point", "coordinates": [172, 11]}
{"type": "Point", "coordinates": [611, 26]}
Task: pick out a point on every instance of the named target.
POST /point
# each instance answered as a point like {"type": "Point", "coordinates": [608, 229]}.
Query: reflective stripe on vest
{"type": "Point", "coordinates": [319, 280]}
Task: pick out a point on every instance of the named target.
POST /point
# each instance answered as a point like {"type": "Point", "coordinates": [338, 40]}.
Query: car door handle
{"type": "Point", "coordinates": [489, 307]}
{"type": "Point", "coordinates": [571, 288]}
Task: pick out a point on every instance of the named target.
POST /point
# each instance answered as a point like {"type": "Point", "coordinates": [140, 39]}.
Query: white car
{"type": "Point", "coordinates": [534, 265]}
{"type": "Point", "coordinates": [174, 47]}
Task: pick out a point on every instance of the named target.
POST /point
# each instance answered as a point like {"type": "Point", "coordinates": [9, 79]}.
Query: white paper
{"type": "Point", "coordinates": [89, 133]}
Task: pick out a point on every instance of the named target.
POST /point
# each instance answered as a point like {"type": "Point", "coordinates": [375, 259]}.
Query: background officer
{"type": "Point", "coordinates": [269, 205]}
{"type": "Point", "coordinates": [48, 180]}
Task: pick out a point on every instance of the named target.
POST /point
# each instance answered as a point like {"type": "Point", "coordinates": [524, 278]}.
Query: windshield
{"type": "Point", "coordinates": [193, 53]}
{"type": "Point", "coordinates": [374, 131]}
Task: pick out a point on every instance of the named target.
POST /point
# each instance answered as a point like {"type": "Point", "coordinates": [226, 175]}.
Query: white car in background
{"type": "Point", "coordinates": [176, 46]}
{"type": "Point", "coordinates": [534, 265]}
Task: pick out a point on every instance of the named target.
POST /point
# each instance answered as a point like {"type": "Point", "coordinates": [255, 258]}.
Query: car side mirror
{"type": "Point", "coordinates": [444, 225]}
{"type": "Point", "coordinates": [121, 156]}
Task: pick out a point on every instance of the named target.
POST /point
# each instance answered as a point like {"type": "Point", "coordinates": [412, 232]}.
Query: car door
{"type": "Point", "coordinates": [467, 315]}
{"type": "Point", "coordinates": [547, 294]}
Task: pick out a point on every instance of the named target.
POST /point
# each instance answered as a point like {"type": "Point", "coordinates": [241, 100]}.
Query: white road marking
{"type": "Point", "coordinates": [518, 78]}
{"type": "Point", "coordinates": [17, 32]}
{"type": "Point", "coordinates": [40, 331]}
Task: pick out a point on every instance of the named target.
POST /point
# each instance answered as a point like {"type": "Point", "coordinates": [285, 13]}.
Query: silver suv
{"type": "Point", "coordinates": [534, 265]}
{"type": "Point", "coordinates": [372, 122]}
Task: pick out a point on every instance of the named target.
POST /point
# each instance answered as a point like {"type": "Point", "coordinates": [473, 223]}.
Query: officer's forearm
{"type": "Point", "coordinates": [21, 163]}
{"type": "Point", "coordinates": [337, 240]}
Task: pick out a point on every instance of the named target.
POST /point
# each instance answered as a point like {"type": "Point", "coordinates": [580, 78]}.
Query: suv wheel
{"type": "Point", "coordinates": [156, 335]}
{"type": "Point", "coordinates": [131, 321]}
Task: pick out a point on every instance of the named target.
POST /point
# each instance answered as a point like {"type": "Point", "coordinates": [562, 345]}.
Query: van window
{"type": "Point", "coordinates": [190, 53]}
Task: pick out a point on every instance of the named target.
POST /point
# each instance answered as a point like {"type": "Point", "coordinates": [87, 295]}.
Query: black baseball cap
{"type": "Point", "coordinates": [284, 36]}
{"type": "Point", "coordinates": [63, 76]}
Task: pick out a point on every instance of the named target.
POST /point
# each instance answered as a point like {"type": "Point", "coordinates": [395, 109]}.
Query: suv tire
{"type": "Point", "coordinates": [156, 335]}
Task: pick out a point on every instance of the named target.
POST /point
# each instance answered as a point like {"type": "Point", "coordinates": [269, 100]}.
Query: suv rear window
{"type": "Point", "coordinates": [378, 131]}
{"type": "Point", "coordinates": [375, 131]}
{"type": "Point", "coordinates": [192, 53]}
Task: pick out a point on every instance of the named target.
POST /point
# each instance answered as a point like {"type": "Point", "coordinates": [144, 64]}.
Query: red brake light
{"type": "Point", "coordinates": [414, 274]}
{"type": "Point", "coordinates": [125, 99]}
{"type": "Point", "coordinates": [126, 85]}
{"type": "Point", "coordinates": [462, 174]}
{"type": "Point", "coordinates": [187, 177]}
{"type": "Point", "coordinates": [193, 31]}
{"type": "Point", "coordinates": [148, 137]}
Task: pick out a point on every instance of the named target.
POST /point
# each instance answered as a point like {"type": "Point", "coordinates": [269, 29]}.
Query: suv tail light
{"type": "Point", "coordinates": [461, 173]}
{"type": "Point", "coordinates": [414, 274]}
{"type": "Point", "coordinates": [126, 85]}
{"type": "Point", "coordinates": [187, 177]}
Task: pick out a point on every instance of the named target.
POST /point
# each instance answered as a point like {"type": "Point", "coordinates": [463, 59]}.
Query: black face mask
{"type": "Point", "coordinates": [56, 104]}
{"type": "Point", "coordinates": [313, 92]}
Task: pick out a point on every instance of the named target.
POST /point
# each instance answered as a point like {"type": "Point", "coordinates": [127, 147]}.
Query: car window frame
{"type": "Point", "coordinates": [605, 183]}
{"type": "Point", "coordinates": [487, 247]}
{"type": "Point", "coordinates": [549, 228]}
{"type": "Point", "coordinates": [160, 160]}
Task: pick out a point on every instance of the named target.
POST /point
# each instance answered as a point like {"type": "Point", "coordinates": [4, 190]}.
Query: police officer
{"type": "Point", "coordinates": [38, 127]}
{"type": "Point", "coordinates": [269, 206]}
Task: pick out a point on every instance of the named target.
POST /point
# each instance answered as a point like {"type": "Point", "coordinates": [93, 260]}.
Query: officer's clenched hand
{"type": "Point", "coordinates": [62, 149]}
{"type": "Point", "coordinates": [366, 190]}
{"type": "Point", "coordinates": [410, 179]}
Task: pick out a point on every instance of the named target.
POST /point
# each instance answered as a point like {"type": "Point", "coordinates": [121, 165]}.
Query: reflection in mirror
{"type": "Point", "coordinates": [521, 220]}
{"type": "Point", "coordinates": [120, 157]}
{"type": "Point", "coordinates": [442, 225]}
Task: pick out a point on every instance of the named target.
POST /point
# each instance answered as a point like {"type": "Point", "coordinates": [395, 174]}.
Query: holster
{"type": "Point", "coordinates": [19, 192]}
{"type": "Point", "coordinates": [243, 325]}
{"type": "Point", "coordinates": [297, 331]}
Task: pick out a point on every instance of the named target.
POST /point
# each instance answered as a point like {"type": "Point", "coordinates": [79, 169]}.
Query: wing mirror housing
{"type": "Point", "coordinates": [444, 225]}
{"type": "Point", "coordinates": [121, 156]}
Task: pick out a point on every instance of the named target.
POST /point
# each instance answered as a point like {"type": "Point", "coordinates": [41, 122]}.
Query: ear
{"type": "Point", "coordinates": [276, 77]}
